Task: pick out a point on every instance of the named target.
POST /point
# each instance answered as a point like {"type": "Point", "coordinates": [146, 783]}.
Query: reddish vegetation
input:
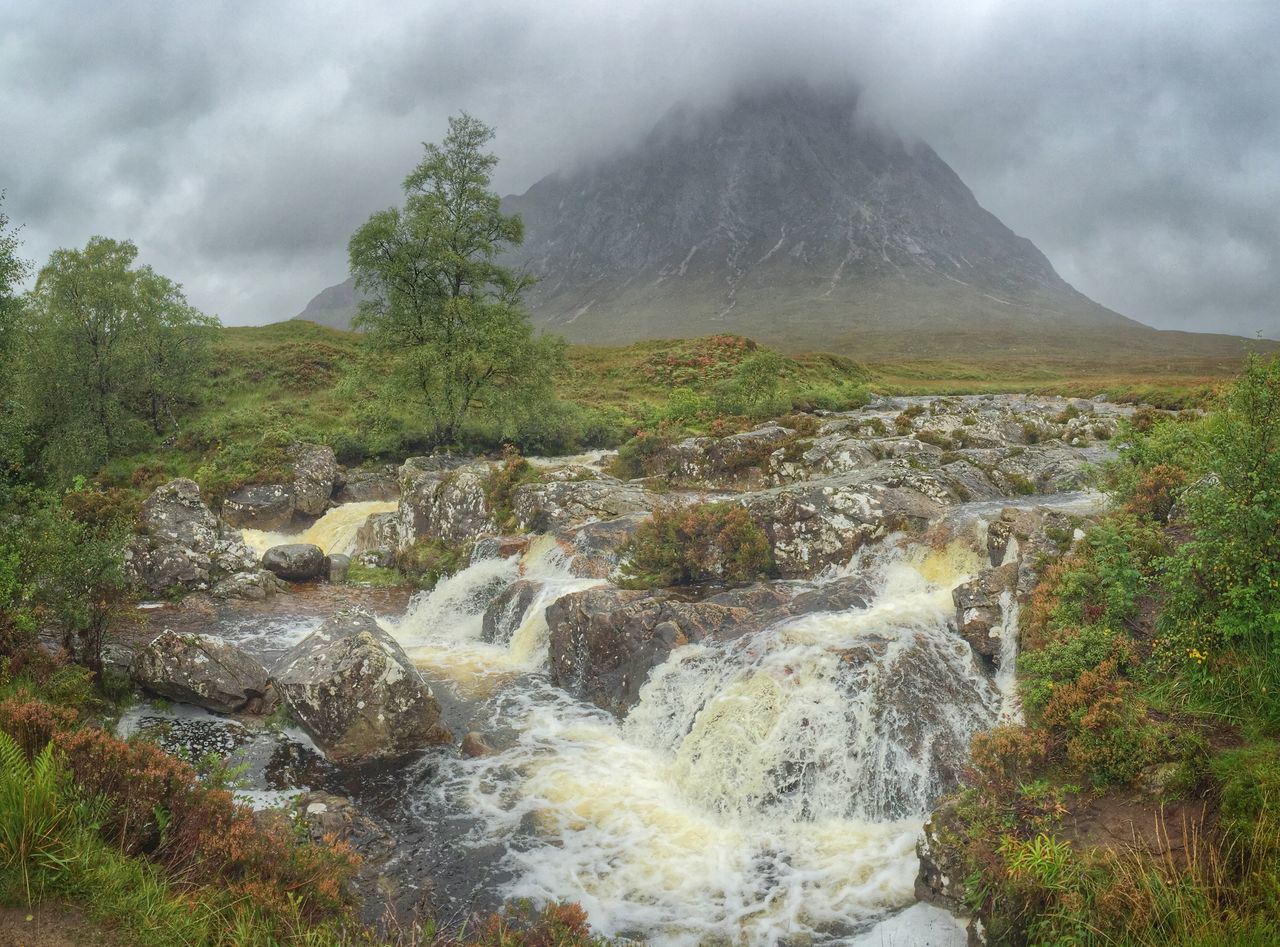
{"type": "Point", "coordinates": [155, 806]}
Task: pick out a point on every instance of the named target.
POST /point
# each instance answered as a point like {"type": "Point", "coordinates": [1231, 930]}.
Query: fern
{"type": "Point", "coordinates": [34, 814]}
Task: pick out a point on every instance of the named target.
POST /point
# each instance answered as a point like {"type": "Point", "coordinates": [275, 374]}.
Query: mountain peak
{"type": "Point", "coordinates": [784, 215]}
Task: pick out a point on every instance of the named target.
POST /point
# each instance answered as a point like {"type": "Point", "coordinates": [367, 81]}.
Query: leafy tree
{"type": "Point", "coordinates": [107, 350]}
{"type": "Point", "coordinates": [13, 270]}
{"type": "Point", "coordinates": [448, 315]}
{"type": "Point", "coordinates": [60, 570]}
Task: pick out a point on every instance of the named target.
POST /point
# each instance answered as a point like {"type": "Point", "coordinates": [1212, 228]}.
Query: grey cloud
{"type": "Point", "coordinates": [240, 144]}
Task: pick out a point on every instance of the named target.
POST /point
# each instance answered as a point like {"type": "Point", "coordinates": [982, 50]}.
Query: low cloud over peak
{"type": "Point", "coordinates": [239, 145]}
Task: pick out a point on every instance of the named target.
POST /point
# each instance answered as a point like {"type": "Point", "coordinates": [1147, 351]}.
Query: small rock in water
{"type": "Point", "coordinates": [475, 745]}
{"type": "Point", "coordinates": [338, 564]}
{"type": "Point", "coordinates": [295, 562]}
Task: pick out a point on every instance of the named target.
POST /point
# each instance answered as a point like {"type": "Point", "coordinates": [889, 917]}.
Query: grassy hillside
{"type": "Point", "coordinates": [294, 380]}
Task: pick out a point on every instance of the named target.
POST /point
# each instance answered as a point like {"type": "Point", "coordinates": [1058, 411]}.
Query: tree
{"type": "Point", "coordinates": [13, 270]}
{"type": "Point", "coordinates": [107, 349]}
{"type": "Point", "coordinates": [439, 305]}
{"type": "Point", "coordinates": [14, 438]}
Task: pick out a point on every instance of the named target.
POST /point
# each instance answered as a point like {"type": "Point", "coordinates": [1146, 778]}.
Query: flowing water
{"type": "Point", "coordinates": [335, 532]}
{"type": "Point", "coordinates": [769, 787]}
{"type": "Point", "coordinates": [765, 787]}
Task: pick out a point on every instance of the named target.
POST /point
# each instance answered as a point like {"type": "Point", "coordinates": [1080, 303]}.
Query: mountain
{"type": "Point", "coordinates": [786, 217]}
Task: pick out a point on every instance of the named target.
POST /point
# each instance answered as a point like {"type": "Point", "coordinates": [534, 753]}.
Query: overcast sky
{"type": "Point", "coordinates": [1137, 143]}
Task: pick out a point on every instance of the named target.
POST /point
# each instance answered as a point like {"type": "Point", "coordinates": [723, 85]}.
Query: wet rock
{"type": "Point", "coordinates": [205, 671]}
{"type": "Point", "coordinates": [267, 507]}
{"type": "Point", "coordinates": [741, 459]}
{"type": "Point", "coordinates": [182, 544]}
{"type": "Point", "coordinates": [474, 745]}
{"type": "Point", "coordinates": [314, 472]}
{"type": "Point", "coordinates": [940, 880]}
{"type": "Point", "coordinates": [379, 531]}
{"type": "Point", "coordinates": [605, 641]}
{"type": "Point", "coordinates": [336, 566]}
{"type": "Point", "coordinates": [504, 615]}
{"type": "Point", "coordinates": [295, 562]}
{"type": "Point", "coordinates": [556, 505]}
{"type": "Point", "coordinates": [174, 513]}
{"type": "Point", "coordinates": [998, 535]}
{"type": "Point", "coordinates": [381, 558]}
{"type": "Point", "coordinates": [352, 688]}
{"type": "Point", "coordinates": [816, 524]}
{"type": "Point", "coordinates": [499, 547]}
{"type": "Point", "coordinates": [593, 548]}
{"type": "Point", "coordinates": [449, 503]}
{"type": "Point", "coordinates": [363, 486]}
{"type": "Point", "coordinates": [252, 586]}
{"type": "Point", "coordinates": [979, 610]}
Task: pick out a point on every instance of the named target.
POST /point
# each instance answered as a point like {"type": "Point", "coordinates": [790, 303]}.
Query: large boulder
{"type": "Point", "coordinates": [205, 671]}
{"type": "Point", "coordinates": [561, 504]}
{"type": "Point", "coordinates": [295, 562]}
{"type": "Point", "coordinates": [741, 459]}
{"type": "Point", "coordinates": [352, 688]}
{"type": "Point", "coordinates": [444, 501]}
{"type": "Point", "coordinates": [175, 513]}
{"type": "Point", "coordinates": [267, 506]}
{"type": "Point", "coordinates": [980, 606]}
{"type": "Point", "coordinates": [380, 531]}
{"type": "Point", "coordinates": [605, 641]}
{"type": "Point", "coordinates": [182, 546]}
{"type": "Point", "coordinates": [251, 586]}
{"type": "Point", "coordinates": [315, 470]}
{"type": "Point", "coordinates": [363, 486]}
{"type": "Point", "coordinates": [594, 548]}
{"type": "Point", "coordinates": [275, 506]}
{"type": "Point", "coordinates": [821, 523]}
{"type": "Point", "coordinates": [504, 615]}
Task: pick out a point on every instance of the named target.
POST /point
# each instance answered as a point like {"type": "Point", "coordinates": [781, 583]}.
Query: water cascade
{"type": "Point", "coordinates": [767, 786]}
{"type": "Point", "coordinates": [335, 532]}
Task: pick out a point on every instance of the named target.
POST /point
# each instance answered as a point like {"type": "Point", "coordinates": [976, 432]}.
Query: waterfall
{"type": "Point", "coordinates": [442, 627]}
{"type": "Point", "coordinates": [763, 788]}
{"type": "Point", "coordinates": [335, 532]}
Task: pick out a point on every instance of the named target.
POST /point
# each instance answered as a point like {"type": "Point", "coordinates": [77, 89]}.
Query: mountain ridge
{"type": "Point", "coordinates": [786, 217]}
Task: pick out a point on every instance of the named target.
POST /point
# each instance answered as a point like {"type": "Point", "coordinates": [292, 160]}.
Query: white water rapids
{"type": "Point", "coordinates": [764, 788]}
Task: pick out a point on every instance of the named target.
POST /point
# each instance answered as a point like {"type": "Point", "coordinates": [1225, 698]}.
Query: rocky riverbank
{"type": "Point", "coordinates": [842, 691]}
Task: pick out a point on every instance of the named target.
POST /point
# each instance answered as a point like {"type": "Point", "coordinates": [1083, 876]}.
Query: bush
{"type": "Point", "coordinates": [511, 473]}
{"type": "Point", "coordinates": [428, 561]}
{"type": "Point", "coordinates": [635, 456]}
{"type": "Point", "coordinates": [717, 541]}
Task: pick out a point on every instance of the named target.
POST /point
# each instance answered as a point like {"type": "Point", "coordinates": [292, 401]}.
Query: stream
{"type": "Point", "coordinates": [766, 789]}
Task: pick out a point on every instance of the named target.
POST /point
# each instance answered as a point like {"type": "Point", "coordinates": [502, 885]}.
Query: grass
{"type": "Point", "coordinates": [1148, 674]}
{"type": "Point", "coordinates": [272, 385]}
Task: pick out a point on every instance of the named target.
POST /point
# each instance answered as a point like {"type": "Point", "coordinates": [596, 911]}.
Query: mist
{"type": "Point", "coordinates": [240, 145]}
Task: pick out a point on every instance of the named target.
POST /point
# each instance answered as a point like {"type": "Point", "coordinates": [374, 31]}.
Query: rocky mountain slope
{"type": "Point", "coordinates": [786, 217]}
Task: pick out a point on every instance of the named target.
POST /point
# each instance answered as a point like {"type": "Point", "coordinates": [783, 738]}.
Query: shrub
{"type": "Point", "coordinates": [635, 456]}
{"type": "Point", "coordinates": [428, 561]}
{"type": "Point", "coordinates": [1063, 662]}
{"type": "Point", "coordinates": [1155, 491]}
{"type": "Point", "coordinates": [718, 541]}
{"type": "Point", "coordinates": [1006, 756]}
{"type": "Point", "coordinates": [511, 473]}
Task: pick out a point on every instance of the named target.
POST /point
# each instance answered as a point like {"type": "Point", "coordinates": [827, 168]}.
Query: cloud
{"type": "Point", "coordinates": [240, 144]}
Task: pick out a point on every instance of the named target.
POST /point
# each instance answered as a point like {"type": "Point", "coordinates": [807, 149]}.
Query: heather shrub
{"type": "Point", "coordinates": [1006, 756]}
{"type": "Point", "coordinates": [716, 541]}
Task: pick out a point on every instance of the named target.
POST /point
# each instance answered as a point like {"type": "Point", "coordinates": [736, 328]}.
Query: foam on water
{"type": "Point", "coordinates": [335, 532]}
{"type": "Point", "coordinates": [441, 629]}
{"type": "Point", "coordinates": [763, 788]}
